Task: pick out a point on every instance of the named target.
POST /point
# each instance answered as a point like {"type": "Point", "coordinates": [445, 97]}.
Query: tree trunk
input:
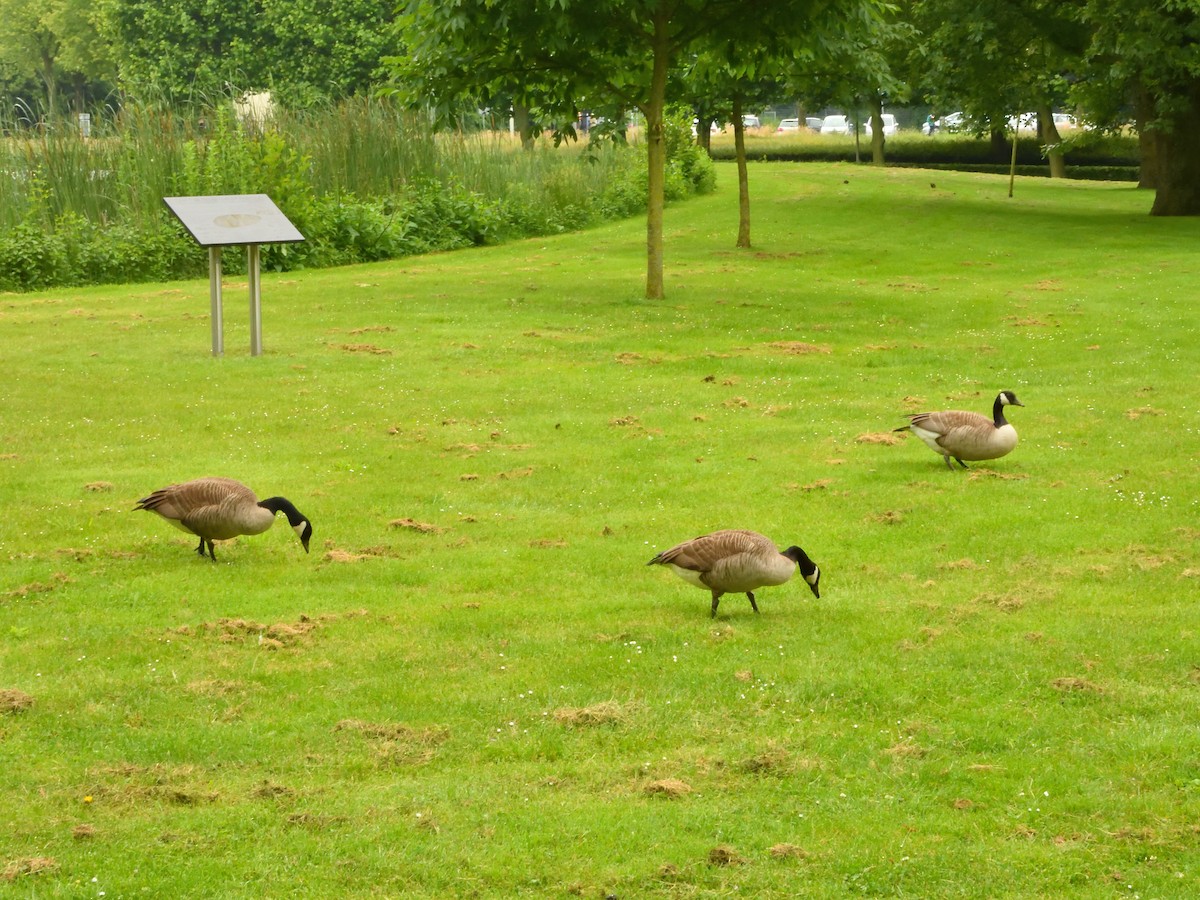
{"type": "Point", "coordinates": [656, 153]}
{"type": "Point", "coordinates": [878, 138]}
{"type": "Point", "coordinates": [704, 130]}
{"type": "Point", "coordinates": [999, 147]}
{"type": "Point", "coordinates": [524, 125]}
{"type": "Point", "coordinates": [1178, 192]}
{"type": "Point", "coordinates": [51, 80]}
{"type": "Point", "coordinates": [1052, 141]}
{"type": "Point", "coordinates": [739, 143]}
{"type": "Point", "coordinates": [1147, 140]}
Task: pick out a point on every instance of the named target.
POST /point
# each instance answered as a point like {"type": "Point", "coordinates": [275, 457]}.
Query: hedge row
{"type": "Point", "coordinates": [1106, 158]}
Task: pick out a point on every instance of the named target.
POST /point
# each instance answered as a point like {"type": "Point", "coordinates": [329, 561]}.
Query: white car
{"type": "Point", "coordinates": [836, 125]}
{"type": "Point", "coordinates": [954, 121]}
{"type": "Point", "coordinates": [889, 125]}
{"type": "Point", "coordinates": [1024, 122]}
{"type": "Point", "coordinates": [788, 125]}
{"type": "Point", "coordinates": [749, 121]}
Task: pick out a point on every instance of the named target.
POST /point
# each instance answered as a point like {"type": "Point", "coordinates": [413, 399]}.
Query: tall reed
{"type": "Point", "coordinates": [363, 179]}
{"type": "Point", "coordinates": [366, 147]}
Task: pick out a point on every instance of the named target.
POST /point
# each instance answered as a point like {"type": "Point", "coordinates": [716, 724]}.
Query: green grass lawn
{"type": "Point", "coordinates": [474, 687]}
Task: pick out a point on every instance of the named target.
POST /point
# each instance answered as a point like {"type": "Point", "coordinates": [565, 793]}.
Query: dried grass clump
{"type": "Point", "coordinates": [607, 713]}
{"type": "Point", "coordinates": [395, 731]}
{"type": "Point", "coordinates": [724, 855]}
{"type": "Point", "coordinates": [12, 700]}
{"type": "Point", "coordinates": [887, 438]}
{"type": "Point", "coordinates": [414, 525]}
{"type": "Point", "coordinates": [398, 744]}
{"type": "Point", "coordinates": [788, 851]}
{"type": "Point", "coordinates": [799, 348]}
{"type": "Point", "coordinates": [905, 750]}
{"type": "Point", "coordinates": [1072, 684]}
{"type": "Point", "coordinates": [1135, 414]}
{"type": "Point", "coordinates": [671, 788]}
{"type": "Point", "coordinates": [773, 761]}
{"type": "Point", "coordinates": [345, 556]}
{"type": "Point", "coordinates": [365, 348]}
{"type": "Point", "coordinates": [30, 866]}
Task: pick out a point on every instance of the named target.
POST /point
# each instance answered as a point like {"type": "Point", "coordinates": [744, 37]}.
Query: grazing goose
{"type": "Point", "coordinates": [967, 435]}
{"type": "Point", "coordinates": [734, 561]}
{"type": "Point", "coordinates": [217, 509]}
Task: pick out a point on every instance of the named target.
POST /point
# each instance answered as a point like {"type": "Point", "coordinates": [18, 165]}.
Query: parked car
{"type": "Point", "coordinates": [836, 125]}
{"type": "Point", "coordinates": [788, 125]}
{"type": "Point", "coordinates": [889, 125]}
{"type": "Point", "coordinates": [749, 121]}
{"type": "Point", "coordinates": [1024, 122]}
{"type": "Point", "coordinates": [813, 123]}
{"type": "Point", "coordinates": [1065, 121]}
{"type": "Point", "coordinates": [954, 121]}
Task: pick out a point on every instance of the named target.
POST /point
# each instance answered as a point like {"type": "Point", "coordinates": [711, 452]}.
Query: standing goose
{"type": "Point", "coordinates": [217, 509]}
{"type": "Point", "coordinates": [967, 435]}
{"type": "Point", "coordinates": [734, 561]}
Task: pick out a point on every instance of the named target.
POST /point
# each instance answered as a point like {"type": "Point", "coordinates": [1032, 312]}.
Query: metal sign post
{"type": "Point", "coordinates": [214, 295]}
{"type": "Point", "coordinates": [235, 219]}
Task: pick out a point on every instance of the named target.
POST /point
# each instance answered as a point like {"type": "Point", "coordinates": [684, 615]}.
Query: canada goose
{"type": "Point", "coordinates": [733, 561]}
{"type": "Point", "coordinates": [967, 435]}
{"type": "Point", "coordinates": [217, 509]}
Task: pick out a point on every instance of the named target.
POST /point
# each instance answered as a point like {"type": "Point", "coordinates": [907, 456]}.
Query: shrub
{"type": "Point", "coordinates": [29, 259]}
{"type": "Point", "coordinates": [367, 182]}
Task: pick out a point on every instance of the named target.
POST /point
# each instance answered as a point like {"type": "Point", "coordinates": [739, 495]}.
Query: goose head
{"type": "Point", "coordinates": [808, 568]}
{"type": "Point", "coordinates": [296, 519]}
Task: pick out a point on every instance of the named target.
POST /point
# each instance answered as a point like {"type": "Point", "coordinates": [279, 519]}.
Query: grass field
{"type": "Point", "coordinates": [474, 687]}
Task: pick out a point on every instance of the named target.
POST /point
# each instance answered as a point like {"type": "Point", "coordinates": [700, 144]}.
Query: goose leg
{"type": "Point", "coordinates": [946, 459]}
{"type": "Point", "coordinates": [200, 549]}
{"type": "Point", "coordinates": [750, 594]}
{"type": "Point", "coordinates": [716, 600]}
{"type": "Point", "coordinates": [961, 463]}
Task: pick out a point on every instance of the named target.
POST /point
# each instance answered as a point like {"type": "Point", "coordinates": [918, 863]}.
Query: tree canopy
{"type": "Point", "coordinates": [557, 56]}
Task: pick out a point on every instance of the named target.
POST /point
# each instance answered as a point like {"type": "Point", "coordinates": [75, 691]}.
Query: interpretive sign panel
{"type": "Point", "coordinates": [234, 219]}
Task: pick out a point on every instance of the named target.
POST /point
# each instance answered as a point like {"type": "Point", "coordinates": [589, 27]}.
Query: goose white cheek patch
{"type": "Point", "coordinates": [814, 577]}
{"type": "Point", "coordinates": [299, 529]}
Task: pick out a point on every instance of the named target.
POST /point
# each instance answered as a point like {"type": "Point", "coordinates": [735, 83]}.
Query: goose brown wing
{"type": "Point", "coordinates": [200, 498]}
{"type": "Point", "coordinates": [703, 553]}
{"type": "Point", "coordinates": [951, 422]}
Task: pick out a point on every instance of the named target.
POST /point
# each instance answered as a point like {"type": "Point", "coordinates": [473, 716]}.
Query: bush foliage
{"type": "Point", "coordinates": [362, 181]}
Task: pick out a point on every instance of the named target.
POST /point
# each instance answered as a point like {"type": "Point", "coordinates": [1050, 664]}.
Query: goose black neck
{"type": "Point", "coordinates": [800, 558]}
{"type": "Point", "coordinates": [285, 506]}
{"type": "Point", "coordinates": [998, 412]}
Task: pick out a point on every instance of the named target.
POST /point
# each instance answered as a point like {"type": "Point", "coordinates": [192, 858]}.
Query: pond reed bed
{"type": "Point", "coordinates": [363, 179]}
